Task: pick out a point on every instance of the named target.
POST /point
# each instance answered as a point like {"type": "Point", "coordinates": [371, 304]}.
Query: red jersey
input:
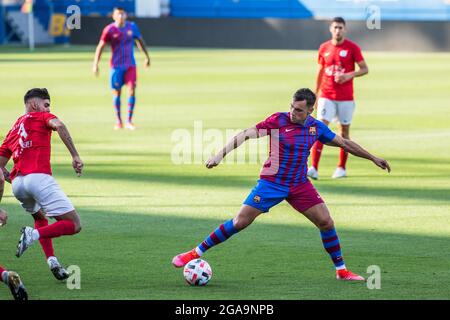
{"type": "Point", "coordinates": [28, 142]}
{"type": "Point", "coordinates": [337, 60]}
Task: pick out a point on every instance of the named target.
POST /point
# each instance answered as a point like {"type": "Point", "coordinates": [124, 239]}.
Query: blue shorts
{"type": "Point", "coordinates": [121, 76]}
{"type": "Point", "coordinates": [267, 194]}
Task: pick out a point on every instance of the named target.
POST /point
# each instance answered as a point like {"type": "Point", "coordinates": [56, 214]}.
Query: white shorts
{"type": "Point", "coordinates": [40, 191]}
{"type": "Point", "coordinates": [331, 109]}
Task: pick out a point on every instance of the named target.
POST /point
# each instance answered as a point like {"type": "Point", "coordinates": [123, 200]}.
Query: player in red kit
{"type": "Point", "coordinates": [337, 58]}
{"type": "Point", "coordinates": [8, 277]}
{"type": "Point", "coordinates": [29, 144]}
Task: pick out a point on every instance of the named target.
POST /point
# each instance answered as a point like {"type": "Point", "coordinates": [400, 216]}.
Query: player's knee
{"type": "Point", "coordinates": [77, 227]}
{"type": "Point", "coordinates": [241, 222]}
{"type": "Point", "coordinates": [325, 224]}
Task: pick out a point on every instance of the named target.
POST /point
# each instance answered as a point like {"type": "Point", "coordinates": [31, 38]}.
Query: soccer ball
{"type": "Point", "coordinates": [197, 272]}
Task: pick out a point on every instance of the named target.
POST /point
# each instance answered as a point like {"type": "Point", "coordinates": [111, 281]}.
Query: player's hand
{"type": "Point", "coordinates": [213, 162]}
{"type": "Point", "coordinates": [383, 164]}
{"type": "Point", "coordinates": [3, 217]}
{"type": "Point", "coordinates": [77, 165]}
{"type": "Point", "coordinates": [147, 62]}
{"type": "Point", "coordinates": [343, 77]}
{"type": "Point", "coordinates": [95, 70]}
{"type": "Point", "coordinates": [6, 175]}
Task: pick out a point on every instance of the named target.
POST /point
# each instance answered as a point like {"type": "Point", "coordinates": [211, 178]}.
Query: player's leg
{"type": "Point", "coordinates": [55, 203]}
{"type": "Point", "coordinates": [306, 200]}
{"type": "Point", "coordinates": [14, 283]}
{"type": "Point", "coordinates": [67, 224]}
{"type": "Point", "coordinates": [264, 196]}
{"type": "Point", "coordinates": [326, 111]}
{"type": "Point", "coordinates": [117, 107]}
{"type": "Point", "coordinates": [243, 219]}
{"type": "Point", "coordinates": [130, 80]}
{"type": "Point", "coordinates": [40, 221]}
{"type": "Point", "coordinates": [345, 110]}
{"type": "Point", "coordinates": [320, 216]}
{"type": "Point", "coordinates": [117, 80]}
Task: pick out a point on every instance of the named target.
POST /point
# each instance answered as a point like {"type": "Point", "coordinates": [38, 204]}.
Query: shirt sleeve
{"type": "Point", "coordinates": [47, 116]}
{"type": "Point", "coordinates": [357, 54]}
{"type": "Point", "coordinates": [4, 150]}
{"type": "Point", "coordinates": [324, 133]}
{"type": "Point", "coordinates": [136, 31]}
{"type": "Point", "coordinates": [269, 123]}
{"type": "Point", "coordinates": [105, 34]}
{"type": "Point", "coordinates": [320, 59]}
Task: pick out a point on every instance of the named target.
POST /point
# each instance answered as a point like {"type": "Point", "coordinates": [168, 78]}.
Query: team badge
{"type": "Point", "coordinates": [256, 199]}
{"type": "Point", "coordinates": [312, 131]}
{"type": "Point", "coordinates": [343, 53]}
{"type": "Point", "coordinates": [130, 33]}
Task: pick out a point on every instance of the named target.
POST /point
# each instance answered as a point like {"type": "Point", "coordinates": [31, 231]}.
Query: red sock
{"type": "Point", "coordinates": [46, 243]}
{"type": "Point", "coordinates": [316, 152]}
{"type": "Point", "coordinates": [1, 271]}
{"type": "Point", "coordinates": [342, 158]}
{"type": "Point", "coordinates": [57, 229]}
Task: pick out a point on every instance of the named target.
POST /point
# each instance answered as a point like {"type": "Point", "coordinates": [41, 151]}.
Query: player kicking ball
{"type": "Point", "coordinates": [10, 278]}
{"type": "Point", "coordinates": [29, 144]}
{"type": "Point", "coordinates": [283, 177]}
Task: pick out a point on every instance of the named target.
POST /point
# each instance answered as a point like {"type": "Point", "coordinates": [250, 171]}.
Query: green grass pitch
{"type": "Point", "coordinates": [139, 209]}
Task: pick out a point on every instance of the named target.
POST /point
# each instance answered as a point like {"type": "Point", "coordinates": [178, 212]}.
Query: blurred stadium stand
{"type": "Point", "coordinates": [412, 10]}
{"type": "Point", "coordinates": [238, 23]}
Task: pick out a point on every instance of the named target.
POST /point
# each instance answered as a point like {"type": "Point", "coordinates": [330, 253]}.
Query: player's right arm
{"type": "Point", "coordinates": [3, 170]}
{"type": "Point", "coordinates": [58, 126]}
{"type": "Point", "coordinates": [319, 79]}
{"type": "Point", "coordinates": [2, 188]}
{"type": "Point", "coordinates": [98, 55]}
{"type": "Point", "coordinates": [320, 71]}
{"type": "Point", "coordinates": [235, 142]}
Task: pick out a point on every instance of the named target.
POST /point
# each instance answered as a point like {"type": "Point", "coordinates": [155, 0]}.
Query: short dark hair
{"type": "Point", "coordinates": [338, 20]}
{"type": "Point", "coordinates": [36, 93]}
{"type": "Point", "coordinates": [118, 8]}
{"type": "Point", "coordinates": [305, 94]}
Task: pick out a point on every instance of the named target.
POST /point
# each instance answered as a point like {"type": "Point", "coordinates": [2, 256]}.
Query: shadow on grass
{"type": "Point", "coordinates": [128, 256]}
{"type": "Point", "coordinates": [210, 179]}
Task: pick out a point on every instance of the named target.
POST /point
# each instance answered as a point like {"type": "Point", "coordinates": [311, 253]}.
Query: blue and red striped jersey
{"type": "Point", "coordinates": [122, 43]}
{"type": "Point", "coordinates": [290, 143]}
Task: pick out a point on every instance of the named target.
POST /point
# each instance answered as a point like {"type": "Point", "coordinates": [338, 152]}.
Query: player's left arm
{"type": "Point", "coordinates": [363, 69]}
{"type": "Point", "coordinates": [356, 150]}
{"type": "Point", "coordinates": [141, 45]}
{"type": "Point", "coordinates": [58, 126]}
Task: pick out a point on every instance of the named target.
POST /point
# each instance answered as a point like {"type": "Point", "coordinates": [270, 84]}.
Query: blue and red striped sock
{"type": "Point", "coordinates": [222, 233]}
{"type": "Point", "coordinates": [116, 101]}
{"type": "Point", "coordinates": [131, 102]}
{"type": "Point", "coordinates": [331, 244]}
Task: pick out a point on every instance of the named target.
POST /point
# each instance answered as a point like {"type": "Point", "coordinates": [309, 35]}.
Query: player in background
{"type": "Point", "coordinates": [283, 177]}
{"type": "Point", "coordinates": [337, 58]}
{"type": "Point", "coordinates": [29, 144]}
{"type": "Point", "coordinates": [121, 35]}
{"type": "Point", "coordinates": [10, 278]}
